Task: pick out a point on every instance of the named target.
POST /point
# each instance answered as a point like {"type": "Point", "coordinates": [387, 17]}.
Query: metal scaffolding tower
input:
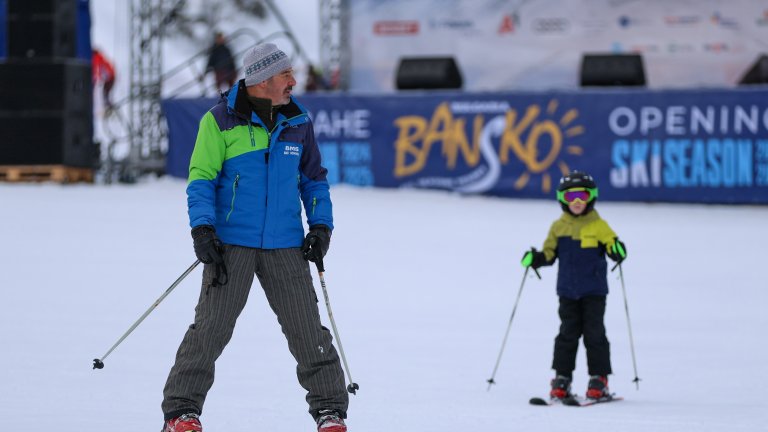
{"type": "Point", "coordinates": [334, 41]}
{"type": "Point", "coordinates": [148, 130]}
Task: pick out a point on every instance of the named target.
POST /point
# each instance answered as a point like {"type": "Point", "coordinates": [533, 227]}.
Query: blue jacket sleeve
{"type": "Point", "coordinates": [314, 188]}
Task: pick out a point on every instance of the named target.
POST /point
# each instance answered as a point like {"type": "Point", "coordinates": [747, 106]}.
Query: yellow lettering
{"type": "Point", "coordinates": [411, 131]}
{"type": "Point", "coordinates": [545, 127]}
{"type": "Point", "coordinates": [411, 158]}
{"type": "Point", "coordinates": [472, 154]}
{"type": "Point", "coordinates": [510, 139]}
{"type": "Point", "coordinates": [521, 136]}
{"type": "Point", "coordinates": [441, 129]}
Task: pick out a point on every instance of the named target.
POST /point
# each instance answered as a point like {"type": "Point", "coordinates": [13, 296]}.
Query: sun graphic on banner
{"type": "Point", "coordinates": [558, 131]}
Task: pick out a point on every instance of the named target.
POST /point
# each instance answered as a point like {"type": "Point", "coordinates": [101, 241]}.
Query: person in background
{"type": "Point", "coordinates": [254, 163]}
{"type": "Point", "coordinates": [221, 63]}
{"type": "Point", "coordinates": [315, 80]}
{"type": "Point", "coordinates": [103, 71]}
{"type": "Point", "coordinates": [580, 240]}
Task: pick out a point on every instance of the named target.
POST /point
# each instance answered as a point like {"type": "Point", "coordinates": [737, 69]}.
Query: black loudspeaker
{"type": "Point", "coordinates": [49, 138]}
{"type": "Point", "coordinates": [42, 28]}
{"type": "Point", "coordinates": [428, 73]}
{"type": "Point", "coordinates": [758, 73]}
{"type": "Point", "coordinates": [46, 113]}
{"type": "Point", "coordinates": [612, 70]}
{"type": "Point", "coordinates": [46, 86]}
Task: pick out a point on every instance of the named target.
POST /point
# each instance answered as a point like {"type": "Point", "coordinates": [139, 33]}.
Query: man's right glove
{"type": "Point", "coordinates": [208, 247]}
{"type": "Point", "coordinates": [533, 259]}
{"type": "Point", "coordinates": [210, 250]}
{"type": "Point", "coordinates": [617, 251]}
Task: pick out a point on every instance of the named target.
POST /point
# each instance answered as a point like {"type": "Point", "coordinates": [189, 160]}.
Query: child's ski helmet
{"type": "Point", "coordinates": [581, 181]}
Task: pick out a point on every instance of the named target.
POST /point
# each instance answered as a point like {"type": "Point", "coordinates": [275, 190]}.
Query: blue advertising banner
{"type": "Point", "coordinates": [83, 38]}
{"type": "Point", "coordinates": [3, 29]}
{"type": "Point", "coordinates": [675, 146]}
{"type": "Point", "coordinates": [183, 117]}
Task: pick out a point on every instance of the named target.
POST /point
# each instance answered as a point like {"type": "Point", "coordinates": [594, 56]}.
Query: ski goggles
{"type": "Point", "coordinates": [581, 194]}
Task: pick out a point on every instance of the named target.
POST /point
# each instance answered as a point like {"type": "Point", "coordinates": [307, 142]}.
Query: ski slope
{"type": "Point", "coordinates": [422, 284]}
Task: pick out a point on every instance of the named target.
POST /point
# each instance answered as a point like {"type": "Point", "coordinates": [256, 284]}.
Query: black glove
{"type": "Point", "coordinates": [208, 247]}
{"type": "Point", "coordinates": [210, 250]}
{"type": "Point", "coordinates": [533, 259]}
{"type": "Point", "coordinates": [316, 243]}
{"type": "Point", "coordinates": [617, 251]}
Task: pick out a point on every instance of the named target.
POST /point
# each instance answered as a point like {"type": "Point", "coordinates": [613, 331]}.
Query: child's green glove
{"type": "Point", "coordinates": [533, 259]}
{"type": "Point", "coordinates": [617, 251]}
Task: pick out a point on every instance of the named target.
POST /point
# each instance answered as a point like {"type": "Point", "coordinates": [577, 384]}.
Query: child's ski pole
{"type": "Point", "coordinates": [509, 326]}
{"type": "Point", "coordinates": [629, 326]}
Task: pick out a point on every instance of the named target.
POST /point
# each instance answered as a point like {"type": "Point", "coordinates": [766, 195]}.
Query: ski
{"type": "Point", "coordinates": [545, 402]}
{"type": "Point", "coordinates": [588, 402]}
{"type": "Point", "coordinates": [573, 401]}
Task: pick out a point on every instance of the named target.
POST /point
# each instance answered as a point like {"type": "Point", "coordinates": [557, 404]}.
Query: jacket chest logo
{"type": "Point", "coordinates": [291, 150]}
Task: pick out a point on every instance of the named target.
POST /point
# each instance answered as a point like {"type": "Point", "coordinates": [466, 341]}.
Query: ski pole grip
{"type": "Point", "coordinates": [320, 266]}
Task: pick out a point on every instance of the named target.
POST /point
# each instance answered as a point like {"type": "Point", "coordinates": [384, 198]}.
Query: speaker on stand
{"type": "Point", "coordinates": [758, 73]}
{"type": "Point", "coordinates": [46, 113]}
{"type": "Point", "coordinates": [428, 73]}
{"type": "Point", "coordinates": [612, 70]}
{"type": "Point", "coordinates": [46, 96]}
{"type": "Point", "coordinates": [42, 29]}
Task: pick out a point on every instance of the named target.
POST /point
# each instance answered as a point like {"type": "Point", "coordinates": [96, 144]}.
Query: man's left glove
{"type": "Point", "coordinates": [316, 243]}
{"type": "Point", "coordinates": [210, 250]}
{"type": "Point", "coordinates": [617, 251]}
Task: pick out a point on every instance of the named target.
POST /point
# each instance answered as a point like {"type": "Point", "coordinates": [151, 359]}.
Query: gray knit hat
{"type": "Point", "coordinates": [263, 62]}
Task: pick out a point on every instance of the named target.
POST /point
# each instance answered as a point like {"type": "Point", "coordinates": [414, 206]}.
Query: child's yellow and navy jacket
{"type": "Point", "coordinates": [579, 243]}
{"type": "Point", "coordinates": [249, 182]}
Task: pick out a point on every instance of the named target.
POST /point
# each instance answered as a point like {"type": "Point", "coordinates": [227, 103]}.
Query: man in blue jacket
{"type": "Point", "coordinates": [254, 163]}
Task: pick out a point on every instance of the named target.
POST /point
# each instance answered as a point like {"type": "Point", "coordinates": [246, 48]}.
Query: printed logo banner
{"type": "Point", "coordinates": [657, 146]}
{"type": "Point", "coordinates": [640, 146]}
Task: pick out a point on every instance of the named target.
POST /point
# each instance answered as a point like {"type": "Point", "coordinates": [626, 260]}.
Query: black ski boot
{"type": "Point", "coordinates": [561, 387]}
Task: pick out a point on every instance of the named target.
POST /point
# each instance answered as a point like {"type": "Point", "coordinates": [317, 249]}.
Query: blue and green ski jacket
{"type": "Point", "coordinates": [250, 182]}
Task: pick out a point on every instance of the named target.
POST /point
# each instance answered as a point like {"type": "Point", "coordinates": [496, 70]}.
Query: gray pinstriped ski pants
{"type": "Point", "coordinates": [285, 277]}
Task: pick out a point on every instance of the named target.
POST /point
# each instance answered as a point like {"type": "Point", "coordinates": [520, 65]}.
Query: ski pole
{"type": "Point", "coordinates": [509, 326]}
{"type": "Point", "coordinates": [99, 362]}
{"type": "Point", "coordinates": [629, 326]}
{"type": "Point", "coordinates": [352, 387]}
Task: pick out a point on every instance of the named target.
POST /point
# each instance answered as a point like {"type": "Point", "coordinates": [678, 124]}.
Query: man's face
{"type": "Point", "coordinates": [278, 88]}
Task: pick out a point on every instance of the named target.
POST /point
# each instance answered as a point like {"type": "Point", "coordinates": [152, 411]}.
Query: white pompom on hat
{"type": "Point", "coordinates": [263, 62]}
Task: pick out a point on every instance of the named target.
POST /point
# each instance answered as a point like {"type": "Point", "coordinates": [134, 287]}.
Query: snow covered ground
{"type": "Point", "coordinates": [421, 283]}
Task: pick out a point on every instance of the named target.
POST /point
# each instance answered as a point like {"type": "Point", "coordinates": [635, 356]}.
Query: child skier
{"type": "Point", "coordinates": [580, 239]}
